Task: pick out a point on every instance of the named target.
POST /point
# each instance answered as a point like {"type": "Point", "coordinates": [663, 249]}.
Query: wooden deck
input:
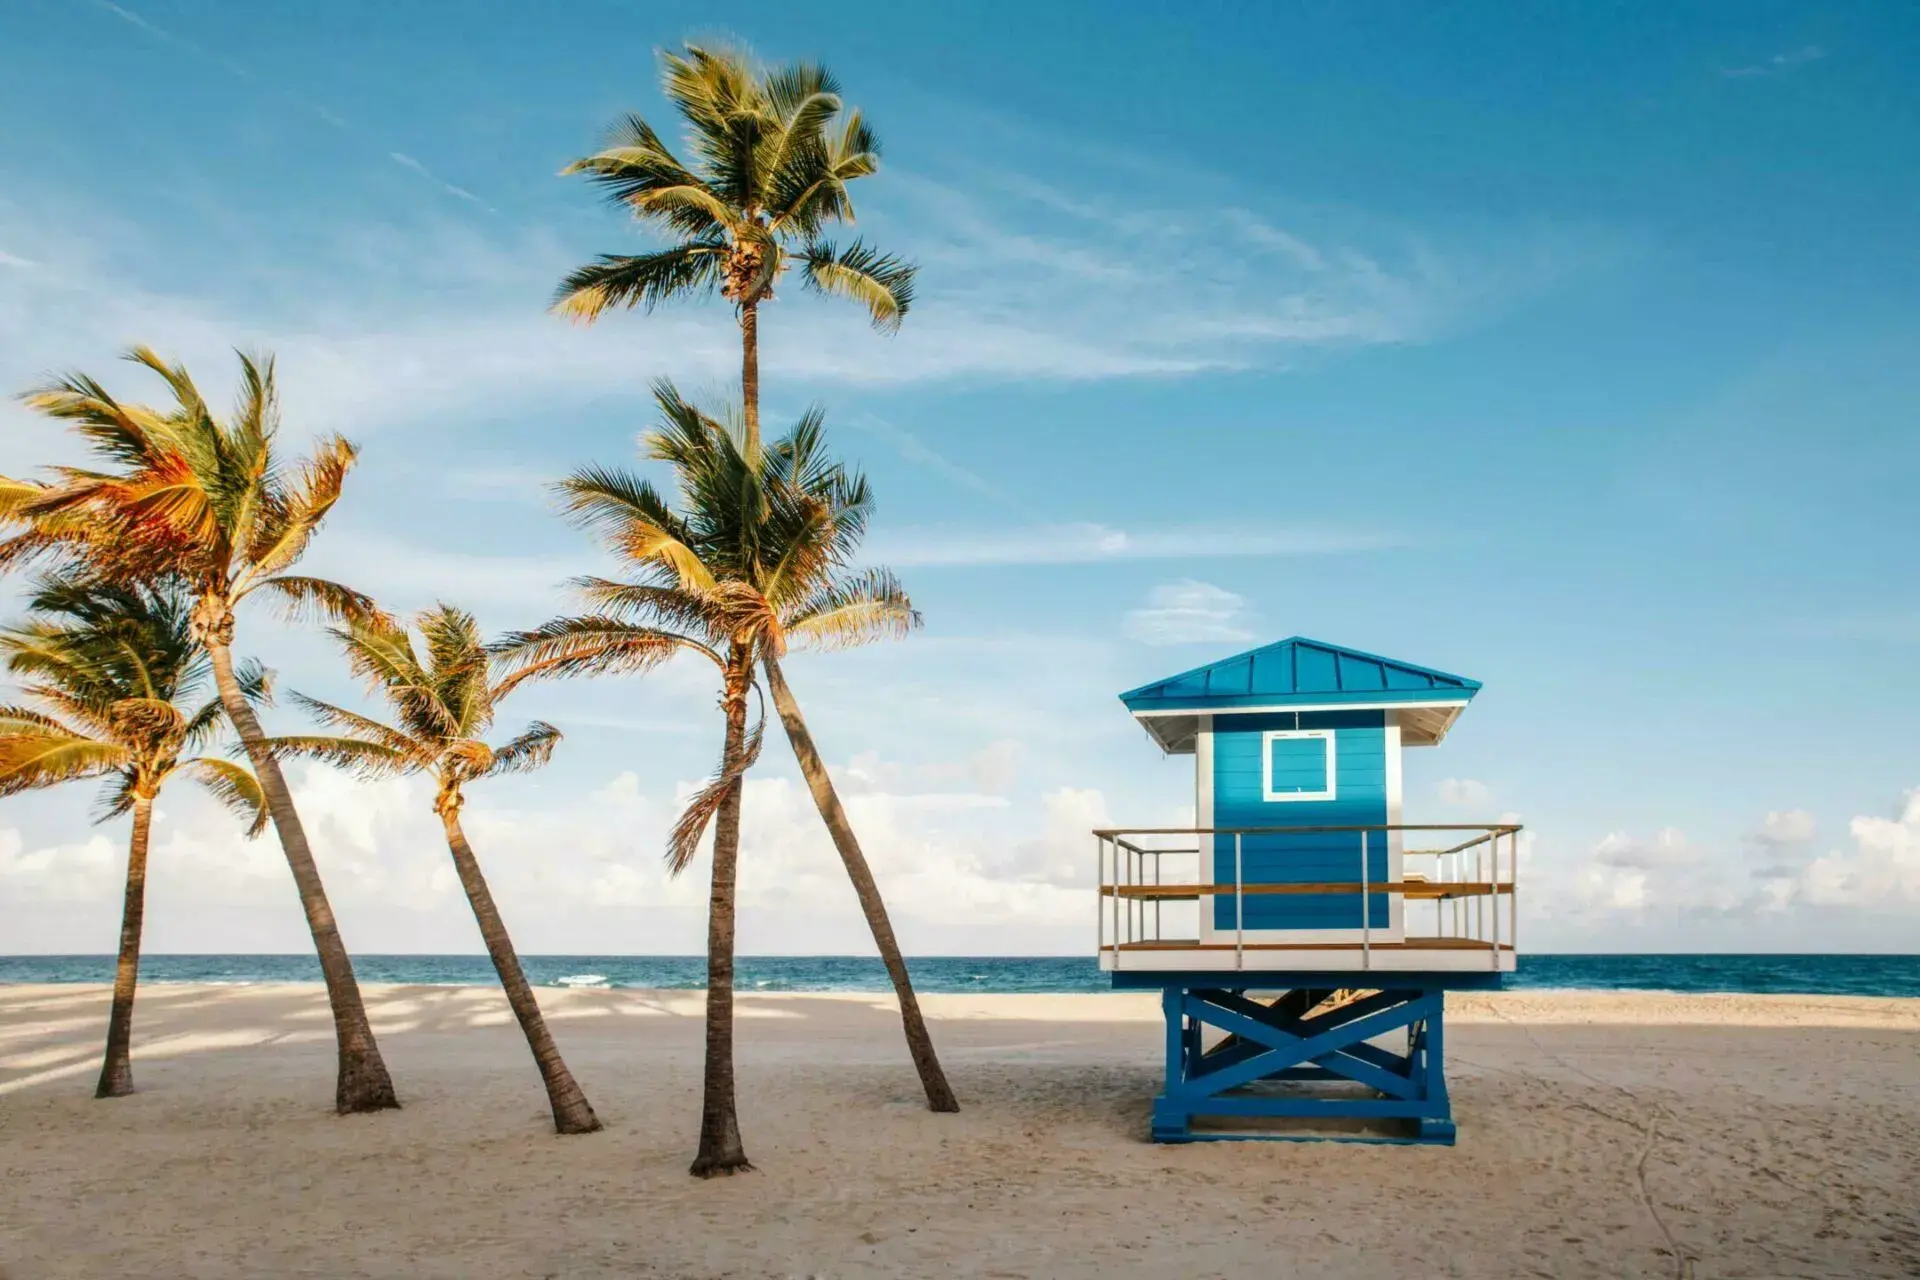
{"type": "Point", "coordinates": [1249, 959]}
{"type": "Point", "coordinates": [1408, 944]}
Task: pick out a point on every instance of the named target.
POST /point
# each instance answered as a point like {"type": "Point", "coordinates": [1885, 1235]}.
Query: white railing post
{"type": "Point", "coordinates": [1366, 909]}
{"type": "Point", "coordinates": [1513, 895]}
{"type": "Point", "coordinates": [1239, 909]}
{"type": "Point", "coordinates": [1100, 893]}
{"type": "Point", "coordinates": [1494, 909]}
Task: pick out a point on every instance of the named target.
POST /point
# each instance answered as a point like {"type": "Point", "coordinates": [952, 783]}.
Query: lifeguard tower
{"type": "Point", "coordinates": [1302, 934]}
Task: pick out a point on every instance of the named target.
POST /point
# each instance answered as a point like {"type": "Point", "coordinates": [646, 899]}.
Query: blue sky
{"type": "Point", "coordinates": [1574, 351]}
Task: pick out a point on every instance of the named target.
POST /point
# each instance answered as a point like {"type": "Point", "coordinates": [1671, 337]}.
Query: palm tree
{"type": "Point", "coordinates": [773, 155]}
{"type": "Point", "coordinates": [442, 711]}
{"type": "Point", "coordinates": [188, 495]}
{"type": "Point", "coordinates": [755, 559]}
{"type": "Point", "coordinates": [112, 675]}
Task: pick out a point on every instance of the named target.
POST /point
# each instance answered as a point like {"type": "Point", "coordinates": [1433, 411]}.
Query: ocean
{"type": "Point", "coordinates": [1850, 975]}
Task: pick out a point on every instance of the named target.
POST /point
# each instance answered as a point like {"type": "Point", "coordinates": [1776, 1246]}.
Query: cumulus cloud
{"type": "Point", "coordinates": [1881, 870]}
{"type": "Point", "coordinates": [1669, 848]}
{"type": "Point", "coordinates": [1781, 844]}
{"type": "Point", "coordinates": [1189, 612]}
{"type": "Point", "coordinates": [1784, 828]}
{"type": "Point", "coordinates": [959, 868]}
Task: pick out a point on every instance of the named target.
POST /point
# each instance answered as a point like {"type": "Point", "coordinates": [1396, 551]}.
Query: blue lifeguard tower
{"type": "Point", "coordinates": [1302, 946]}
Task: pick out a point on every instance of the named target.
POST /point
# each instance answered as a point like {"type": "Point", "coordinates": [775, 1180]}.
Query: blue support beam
{"type": "Point", "coordinates": [1300, 1037]}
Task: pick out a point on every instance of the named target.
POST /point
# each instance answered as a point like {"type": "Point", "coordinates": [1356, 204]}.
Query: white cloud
{"type": "Point", "coordinates": [1882, 870]}
{"type": "Point", "coordinates": [995, 767]}
{"type": "Point", "coordinates": [1464, 793]}
{"type": "Point", "coordinates": [1780, 846]}
{"type": "Point", "coordinates": [1784, 828]}
{"type": "Point", "coordinates": [573, 873]}
{"type": "Point", "coordinates": [1189, 612]}
{"type": "Point", "coordinates": [1667, 849]}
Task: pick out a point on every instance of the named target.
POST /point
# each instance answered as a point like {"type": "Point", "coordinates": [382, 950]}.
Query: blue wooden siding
{"type": "Point", "coordinates": [1239, 800]}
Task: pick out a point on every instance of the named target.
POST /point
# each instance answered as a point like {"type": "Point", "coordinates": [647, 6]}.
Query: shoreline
{"type": "Point", "coordinates": [1865, 975]}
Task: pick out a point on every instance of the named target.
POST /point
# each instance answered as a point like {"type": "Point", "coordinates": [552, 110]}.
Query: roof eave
{"type": "Point", "coordinates": [1346, 698]}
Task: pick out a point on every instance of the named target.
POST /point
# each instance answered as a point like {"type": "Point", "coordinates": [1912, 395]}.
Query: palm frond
{"type": "Point", "coordinates": [457, 663]}
{"type": "Point", "coordinates": [180, 493]}
{"type": "Point", "coordinates": [868, 606]}
{"type": "Point", "coordinates": [369, 760]}
{"type": "Point", "coordinates": [633, 519]}
{"type": "Point", "coordinates": [671, 609]}
{"type": "Point", "coordinates": [18, 720]}
{"type": "Point", "coordinates": [683, 842]}
{"type": "Point", "coordinates": [635, 166]}
{"type": "Point", "coordinates": [283, 536]}
{"type": "Point", "coordinates": [234, 786]}
{"type": "Point", "coordinates": [880, 282]}
{"type": "Point", "coordinates": [120, 433]}
{"type": "Point", "coordinates": [117, 797]}
{"type": "Point", "coordinates": [642, 280]}
{"type": "Point", "coordinates": [353, 724]}
{"type": "Point", "coordinates": [44, 759]}
{"type": "Point", "coordinates": [527, 752]}
{"type": "Point", "coordinates": [303, 597]}
{"type": "Point", "coordinates": [591, 645]}
{"type": "Point", "coordinates": [381, 654]}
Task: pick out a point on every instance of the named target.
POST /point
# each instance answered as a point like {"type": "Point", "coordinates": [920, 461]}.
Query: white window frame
{"type": "Point", "coordinates": [1267, 740]}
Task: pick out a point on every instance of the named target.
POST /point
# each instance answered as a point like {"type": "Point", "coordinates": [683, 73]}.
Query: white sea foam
{"type": "Point", "coordinates": [582, 980]}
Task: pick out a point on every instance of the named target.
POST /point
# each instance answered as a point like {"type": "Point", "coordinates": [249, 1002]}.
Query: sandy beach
{"type": "Point", "coordinates": [1600, 1135]}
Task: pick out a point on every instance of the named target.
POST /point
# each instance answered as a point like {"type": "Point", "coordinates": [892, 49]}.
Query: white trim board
{"type": "Point", "coordinates": [1331, 791]}
{"type": "Point", "coordinates": [1396, 840]}
{"type": "Point", "coordinates": [1330, 706]}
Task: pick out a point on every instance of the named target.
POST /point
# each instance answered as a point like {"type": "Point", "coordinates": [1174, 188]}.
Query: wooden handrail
{"type": "Point", "coordinates": [1420, 889]}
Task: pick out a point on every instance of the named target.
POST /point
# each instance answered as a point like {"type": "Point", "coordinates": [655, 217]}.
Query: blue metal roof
{"type": "Point", "coordinates": [1299, 672]}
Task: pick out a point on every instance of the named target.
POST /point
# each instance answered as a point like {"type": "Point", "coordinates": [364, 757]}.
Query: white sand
{"type": "Point", "coordinates": [1762, 1136]}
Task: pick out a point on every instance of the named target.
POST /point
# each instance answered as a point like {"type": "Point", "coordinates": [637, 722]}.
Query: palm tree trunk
{"type": "Point", "coordinates": [827, 800]}
{"type": "Point", "coordinates": [750, 373]}
{"type": "Point", "coordinates": [362, 1083]}
{"type": "Point", "coordinates": [571, 1111]}
{"type": "Point", "coordinates": [116, 1072]}
{"type": "Point", "coordinates": [720, 1149]}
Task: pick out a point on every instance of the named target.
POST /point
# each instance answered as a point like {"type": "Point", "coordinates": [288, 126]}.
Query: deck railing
{"type": "Point", "coordinates": [1469, 880]}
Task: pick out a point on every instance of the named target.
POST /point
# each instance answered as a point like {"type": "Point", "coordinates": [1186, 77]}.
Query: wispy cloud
{"type": "Point", "coordinates": [408, 162]}
{"type": "Point", "coordinates": [1092, 543]}
{"type": "Point", "coordinates": [441, 316]}
{"type": "Point", "coordinates": [13, 260]}
{"type": "Point", "coordinates": [1778, 63]}
{"type": "Point", "coordinates": [917, 451]}
{"type": "Point", "coordinates": [1135, 287]}
{"type": "Point", "coordinates": [240, 71]}
{"type": "Point", "coordinates": [1189, 612]}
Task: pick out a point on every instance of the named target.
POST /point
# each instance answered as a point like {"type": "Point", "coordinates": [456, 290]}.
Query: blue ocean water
{"type": "Point", "coordinates": [1852, 975]}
